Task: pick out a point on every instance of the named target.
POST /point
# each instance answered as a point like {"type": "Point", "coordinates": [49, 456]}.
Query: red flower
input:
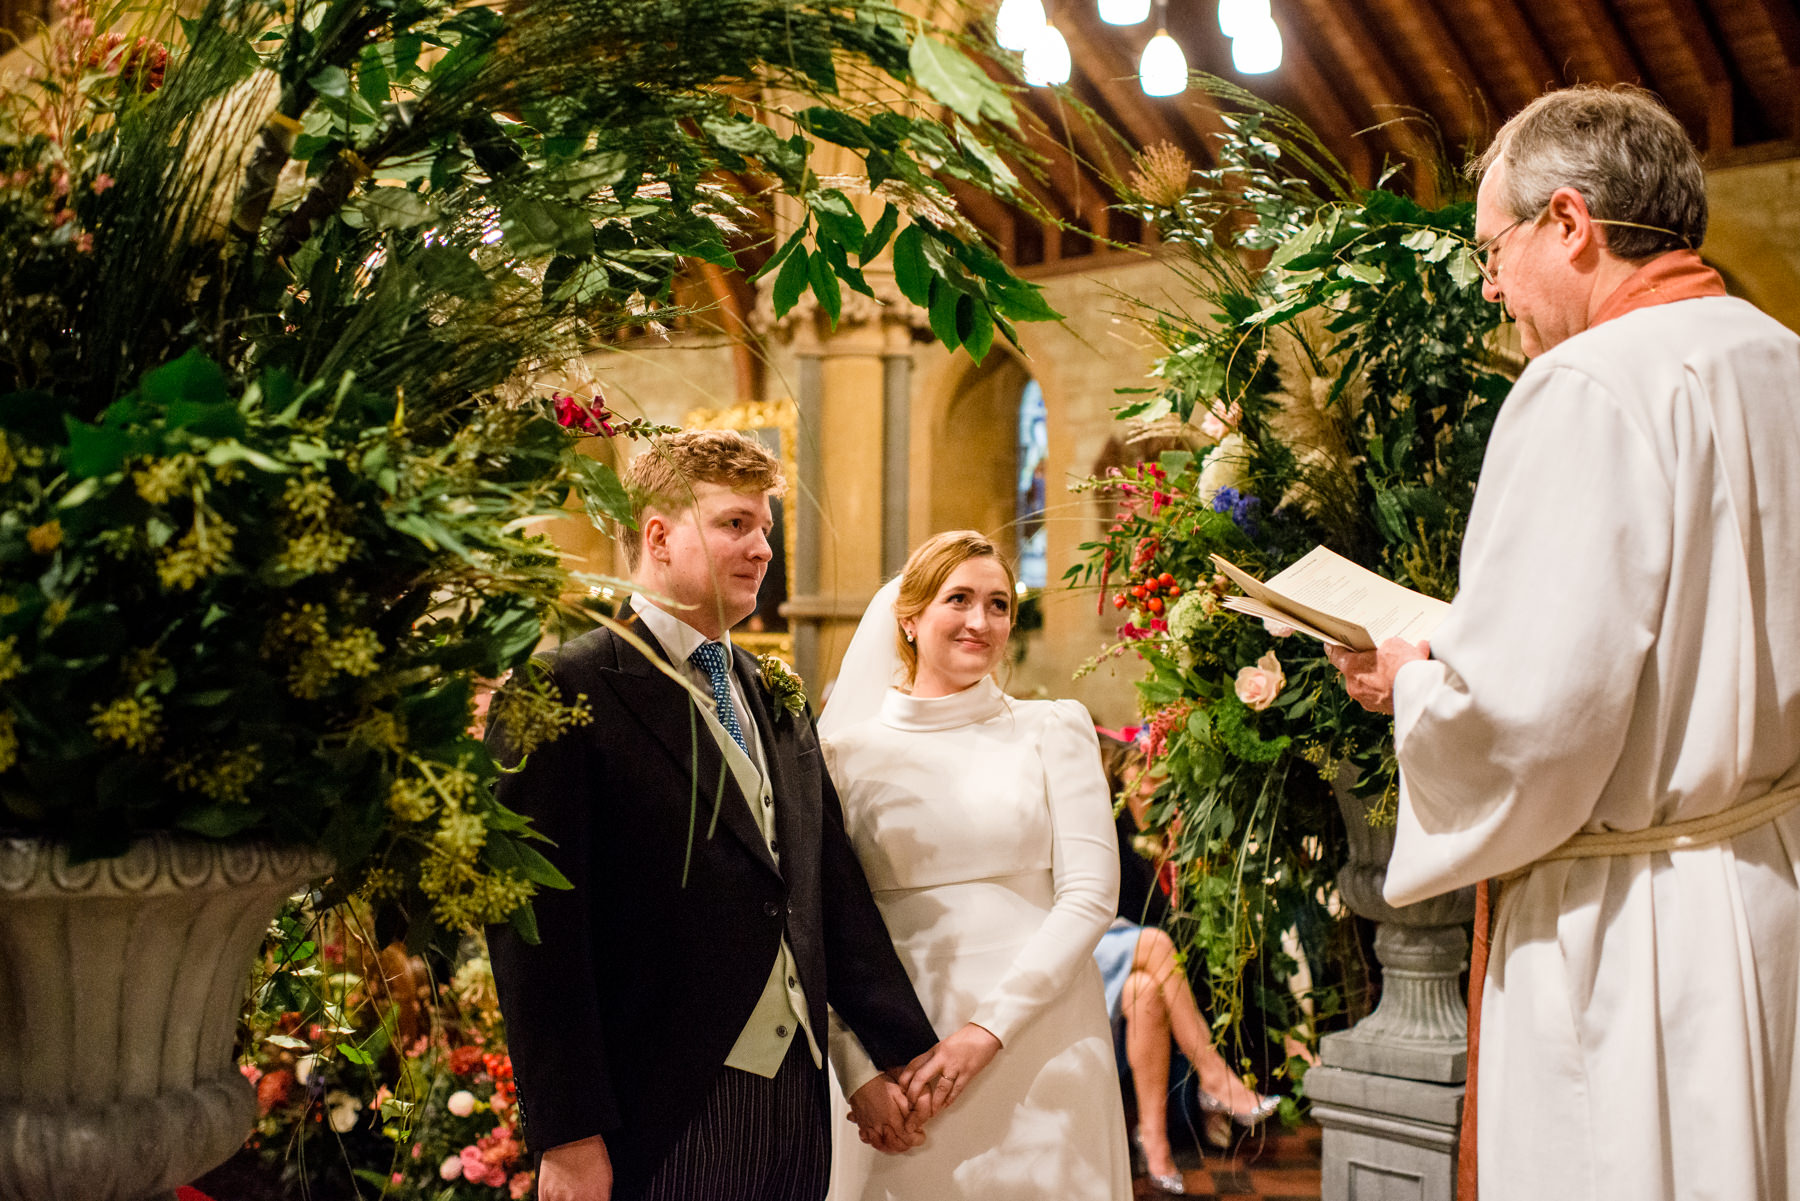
{"type": "Point", "coordinates": [596, 418]}
{"type": "Point", "coordinates": [464, 1060]}
{"type": "Point", "coordinates": [273, 1090]}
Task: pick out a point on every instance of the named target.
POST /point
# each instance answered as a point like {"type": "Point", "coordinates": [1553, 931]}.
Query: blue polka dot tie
{"type": "Point", "coordinates": [709, 657]}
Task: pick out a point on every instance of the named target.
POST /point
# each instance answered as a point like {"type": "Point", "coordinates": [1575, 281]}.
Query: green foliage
{"type": "Point", "coordinates": [1335, 386]}
{"type": "Point", "coordinates": [274, 281]}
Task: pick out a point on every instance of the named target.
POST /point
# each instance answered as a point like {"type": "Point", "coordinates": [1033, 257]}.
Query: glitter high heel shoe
{"type": "Point", "coordinates": [1256, 1115]}
{"type": "Point", "coordinates": [1168, 1184]}
{"type": "Point", "coordinates": [1171, 1184]}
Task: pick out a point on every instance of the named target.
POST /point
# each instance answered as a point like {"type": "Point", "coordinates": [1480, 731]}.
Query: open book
{"type": "Point", "coordinates": [1334, 600]}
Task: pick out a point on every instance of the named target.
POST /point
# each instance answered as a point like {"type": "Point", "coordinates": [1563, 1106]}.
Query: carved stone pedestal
{"type": "Point", "coordinates": [1386, 1139]}
{"type": "Point", "coordinates": [1389, 1091]}
{"type": "Point", "coordinates": [121, 981]}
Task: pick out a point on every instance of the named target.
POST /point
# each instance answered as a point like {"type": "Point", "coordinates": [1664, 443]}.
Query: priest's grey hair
{"type": "Point", "coordinates": [1622, 150]}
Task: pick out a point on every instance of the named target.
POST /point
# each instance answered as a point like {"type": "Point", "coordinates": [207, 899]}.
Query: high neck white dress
{"type": "Point", "coordinates": [985, 828]}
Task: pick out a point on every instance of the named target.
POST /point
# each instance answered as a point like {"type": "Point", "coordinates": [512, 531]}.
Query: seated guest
{"type": "Point", "coordinates": [1148, 995]}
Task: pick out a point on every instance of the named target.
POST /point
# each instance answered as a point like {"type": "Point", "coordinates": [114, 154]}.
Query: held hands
{"type": "Point", "coordinates": [578, 1171]}
{"type": "Point", "coordinates": [1369, 675]}
{"type": "Point", "coordinates": [937, 1078]}
{"type": "Point", "coordinates": [883, 1115]}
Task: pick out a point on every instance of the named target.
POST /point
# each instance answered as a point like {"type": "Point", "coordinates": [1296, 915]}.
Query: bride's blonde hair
{"type": "Point", "coordinates": [925, 572]}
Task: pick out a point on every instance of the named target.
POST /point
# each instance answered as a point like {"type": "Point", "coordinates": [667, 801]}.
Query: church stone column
{"type": "Point", "coordinates": [854, 382]}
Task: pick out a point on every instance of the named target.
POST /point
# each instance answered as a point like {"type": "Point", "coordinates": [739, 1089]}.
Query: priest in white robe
{"type": "Point", "coordinates": [1609, 719]}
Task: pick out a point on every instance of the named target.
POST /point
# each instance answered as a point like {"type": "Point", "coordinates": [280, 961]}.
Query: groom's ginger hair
{"type": "Point", "coordinates": [925, 572]}
{"type": "Point", "coordinates": [663, 477]}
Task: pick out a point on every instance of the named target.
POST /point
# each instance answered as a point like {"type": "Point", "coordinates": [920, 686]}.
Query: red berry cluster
{"type": "Point", "coordinates": [1150, 597]}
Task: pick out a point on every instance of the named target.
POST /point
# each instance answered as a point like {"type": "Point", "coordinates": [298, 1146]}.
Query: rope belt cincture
{"type": "Point", "coordinates": [1676, 836]}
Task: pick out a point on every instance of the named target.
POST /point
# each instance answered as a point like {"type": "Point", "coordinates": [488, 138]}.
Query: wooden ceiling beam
{"type": "Point", "coordinates": [1704, 59]}
{"type": "Point", "coordinates": [1443, 70]}
{"type": "Point", "coordinates": [1385, 96]}
{"type": "Point", "coordinates": [1046, 135]}
{"type": "Point", "coordinates": [1326, 110]}
{"type": "Point", "coordinates": [1516, 49]}
{"type": "Point", "coordinates": [1590, 22]}
{"type": "Point", "coordinates": [1783, 18]}
{"type": "Point", "coordinates": [1086, 194]}
{"type": "Point", "coordinates": [1144, 119]}
{"type": "Point", "coordinates": [993, 217]}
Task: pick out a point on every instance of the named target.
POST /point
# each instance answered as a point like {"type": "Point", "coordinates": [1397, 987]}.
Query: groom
{"type": "Point", "coordinates": [667, 1033]}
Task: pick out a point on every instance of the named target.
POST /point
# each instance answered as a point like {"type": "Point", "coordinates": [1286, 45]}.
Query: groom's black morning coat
{"type": "Point", "coordinates": [621, 1018]}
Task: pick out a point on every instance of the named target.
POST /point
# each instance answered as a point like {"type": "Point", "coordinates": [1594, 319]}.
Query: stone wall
{"type": "Point", "coordinates": [1754, 234]}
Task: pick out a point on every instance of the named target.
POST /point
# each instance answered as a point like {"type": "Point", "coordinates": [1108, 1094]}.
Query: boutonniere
{"type": "Point", "coordinates": [788, 689]}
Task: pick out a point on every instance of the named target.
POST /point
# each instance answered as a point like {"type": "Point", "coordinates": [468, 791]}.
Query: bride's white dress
{"type": "Point", "coordinates": [985, 828]}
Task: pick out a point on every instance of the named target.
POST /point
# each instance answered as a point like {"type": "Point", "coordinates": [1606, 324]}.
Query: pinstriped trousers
{"type": "Point", "coordinates": [753, 1139]}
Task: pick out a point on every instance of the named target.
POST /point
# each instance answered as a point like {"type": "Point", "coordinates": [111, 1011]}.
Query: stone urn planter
{"type": "Point", "coordinates": [1420, 1027]}
{"type": "Point", "coordinates": [121, 982]}
{"type": "Point", "coordinates": [1388, 1092]}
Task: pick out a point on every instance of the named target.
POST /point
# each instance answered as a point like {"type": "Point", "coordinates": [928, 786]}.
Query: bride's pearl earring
{"type": "Point", "coordinates": [909, 635]}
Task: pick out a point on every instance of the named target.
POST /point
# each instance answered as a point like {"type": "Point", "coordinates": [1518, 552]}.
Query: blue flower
{"type": "Point", "coordinates": [1238, 506]}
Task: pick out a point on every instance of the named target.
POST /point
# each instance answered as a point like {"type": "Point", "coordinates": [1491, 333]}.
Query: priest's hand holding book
{"type": "Point", "coordinates": [1369, 675]}
{"type": "Point", "coordinates": [1371, 626]}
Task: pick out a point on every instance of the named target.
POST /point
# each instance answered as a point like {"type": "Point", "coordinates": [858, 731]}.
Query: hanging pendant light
{"type": "Point", "coordinates": [1047, 58]}
{"type": "Point", "coordinates": [1257, 50]}
{"type": "Point", "coordinates": [1124, 12]}
{"type": "Point", "coordinates": [1016, 23]}
{"type": "Point", "coordinates": [1163, 70]}
{"type": "Point", "coordinates": [1237, 17]}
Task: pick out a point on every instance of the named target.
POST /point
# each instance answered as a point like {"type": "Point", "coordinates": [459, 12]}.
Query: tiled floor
{"type": "Point", "coordinates": [1277, 1165]}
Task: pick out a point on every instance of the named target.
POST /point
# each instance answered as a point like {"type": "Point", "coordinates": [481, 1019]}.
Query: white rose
{"type": "Point", "coordinates": [461, 1103]}
{"type": "Point", "coordinates": [344, 1109]}
{"type": "Point", "coordinates": [1224, 467]}
{"type": "Point", "coordinates": [451, 1168]}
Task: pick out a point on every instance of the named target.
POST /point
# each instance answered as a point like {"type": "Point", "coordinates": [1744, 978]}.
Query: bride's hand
{"type": "Point", "coordinates": [880, 1111]}
{"type": "Point", "coordinates": [937, 1078]}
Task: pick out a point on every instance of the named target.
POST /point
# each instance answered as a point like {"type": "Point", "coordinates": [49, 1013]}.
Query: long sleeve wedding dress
{"type": "Point", "coordinates": [984, 826]}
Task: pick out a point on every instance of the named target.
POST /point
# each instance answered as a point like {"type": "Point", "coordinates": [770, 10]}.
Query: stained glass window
{"type": "Point", "coordinates": [1034, 456]}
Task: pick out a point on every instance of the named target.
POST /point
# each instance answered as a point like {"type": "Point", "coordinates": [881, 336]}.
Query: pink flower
{"type": "Point", "coordinates": [1258, 686]}
{"type": "Point", "coordinates": [521, 1185]}
{"type": "Point", "coordinates": [101, 182]}
{"type": "Point", "coordinates": [451, 1168]}
{"type": "Point", "coordinates": [85, 243]}
{"type": "Point", "coordinates": [477, 1170]}
{"type": "Point", "coordinates": [398, 1178]}
{"type": "Point", "coordinates": [250, 1071]}
{"type": "Point", "coordinates": [1276, 629]}
{"type": "Point", "coordinates": [461, 1103]}
{"type": "Point", "coordinates": [1221, 421]}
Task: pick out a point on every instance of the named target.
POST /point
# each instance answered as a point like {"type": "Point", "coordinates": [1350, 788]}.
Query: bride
{"type": "Point", "coordinates": [985, 828]}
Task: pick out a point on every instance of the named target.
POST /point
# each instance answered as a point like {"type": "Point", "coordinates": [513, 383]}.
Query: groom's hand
{"type": "Point", "coordinates": [578, 1171]}
{"type": "Point", "coordinates": [880, 1111]}
{"type": "Point", "coordinates": [937, 1078]}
